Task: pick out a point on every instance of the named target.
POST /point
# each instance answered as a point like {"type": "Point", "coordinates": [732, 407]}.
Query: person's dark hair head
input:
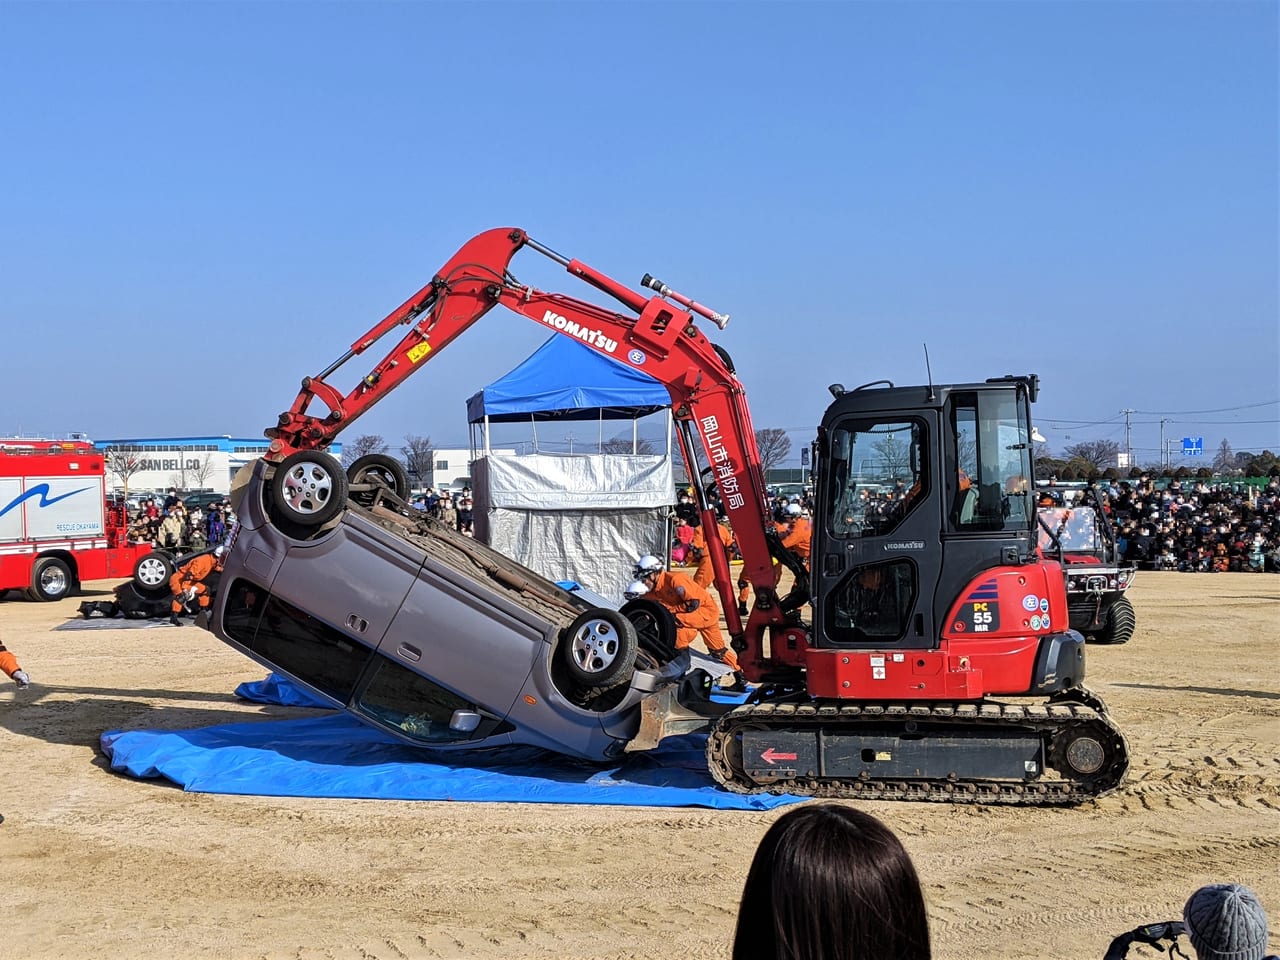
{"type": "Point", "coordinates": [829, 882]}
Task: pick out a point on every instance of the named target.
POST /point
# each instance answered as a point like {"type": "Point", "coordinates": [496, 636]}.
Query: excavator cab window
{"type": "Point", "coordinates": [874, 603]}
{"type": "Point", "coordinates": [991, 437]}
{"type": "Point", "coordinates": [878, 475]}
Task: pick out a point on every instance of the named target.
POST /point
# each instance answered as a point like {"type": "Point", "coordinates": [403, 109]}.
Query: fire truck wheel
{"type": "Point", "coordinates": [599, 648]}
{"type": "Point", "coordinates": [378, 468]}
{"type": "Point", "coordinates": [1119, 623]}
{"type": "Point", "coordinates": [309, 489]}
{"type": "Point", "coordinates": [50, 580]}
{"type": "Point", "coordinates": [655, 627]}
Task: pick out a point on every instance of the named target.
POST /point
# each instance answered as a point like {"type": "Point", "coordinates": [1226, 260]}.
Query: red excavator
{"type": "Point", "coordinates": [924, 650]}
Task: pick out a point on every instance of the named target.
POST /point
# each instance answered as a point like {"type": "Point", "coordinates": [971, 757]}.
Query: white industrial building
{"type": "Point", "coordinates": [188, 464]}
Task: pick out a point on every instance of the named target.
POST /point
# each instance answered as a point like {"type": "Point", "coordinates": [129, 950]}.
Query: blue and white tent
{"type": "Point", "coordinates": [586, 516]}
{"type": "Point", "coordinates": [565, 380]}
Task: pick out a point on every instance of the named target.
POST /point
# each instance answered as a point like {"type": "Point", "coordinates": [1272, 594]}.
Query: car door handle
{"type": "Point", "coordinates": [409, 652]}
{"type": "Point", "coordinates": [357, 624]}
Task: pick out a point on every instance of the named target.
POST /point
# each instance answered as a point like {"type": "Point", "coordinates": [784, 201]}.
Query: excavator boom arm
{"type": "Point", "coordinates": [652, 335]}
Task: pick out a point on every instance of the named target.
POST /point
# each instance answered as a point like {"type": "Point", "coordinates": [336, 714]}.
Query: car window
{"type": "Point", "coordinates": [397, 697]}
{"type": "Point", "coordinates": [294, 641]}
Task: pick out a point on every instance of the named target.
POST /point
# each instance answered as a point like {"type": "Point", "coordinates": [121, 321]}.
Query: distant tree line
{"type": "Point", "coordinates": [1096, 458]}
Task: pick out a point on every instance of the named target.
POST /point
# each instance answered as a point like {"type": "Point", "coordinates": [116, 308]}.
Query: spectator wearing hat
{"type": "Point", "coordinates": [1225, 921]}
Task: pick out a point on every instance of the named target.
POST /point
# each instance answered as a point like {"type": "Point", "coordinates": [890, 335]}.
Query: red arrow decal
{"type": "Point", "coordinates": [771, 755]}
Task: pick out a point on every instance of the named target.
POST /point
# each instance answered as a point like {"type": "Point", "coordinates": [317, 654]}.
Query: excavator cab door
{"type": "Point", "coordinates": [919, 490]}
{"type": "Point", "coordinates": [876, 543]}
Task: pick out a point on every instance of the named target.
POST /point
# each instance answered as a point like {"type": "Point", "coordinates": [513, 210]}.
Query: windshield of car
{"type": "Point", "coordinates": [1075, 528]}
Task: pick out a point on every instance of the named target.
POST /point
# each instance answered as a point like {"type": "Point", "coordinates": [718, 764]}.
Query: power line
{"type": "Point", "coordinates": [1184, 413]}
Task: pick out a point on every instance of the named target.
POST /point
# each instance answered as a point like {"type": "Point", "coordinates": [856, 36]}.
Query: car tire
{"type": "Point", "coordinates": [308, 489]}
{"type": "Point", "coordinates": [598, 649]}
{"type": "Point", "coordinates": [378, 467]}
{"type": "Point", "coordinates": [50, 580]}
{"type": "Point", "coordinates": [1120, 621]}
{"type": "Point", "coordinates": [152, 572]}
{"type": "Point", "coordinates": [655, 628]}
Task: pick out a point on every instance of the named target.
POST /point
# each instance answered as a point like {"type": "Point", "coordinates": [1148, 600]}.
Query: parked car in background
{"type": "Point", "coordinates": [202, 500]}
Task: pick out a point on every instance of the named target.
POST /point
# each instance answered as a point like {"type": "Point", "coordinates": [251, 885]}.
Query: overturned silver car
{"type": "Point", "coordinates": [429, 635]}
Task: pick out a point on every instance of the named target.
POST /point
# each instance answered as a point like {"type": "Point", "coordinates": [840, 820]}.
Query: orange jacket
{"type": "Point", "coordinates": [195, 570]}
{"type": "Point", "coordinates": [798, 538]}
{"type": "Point", "coordinates": [674, 590]}
{"type": "Point", "coordinates": [699, 544]}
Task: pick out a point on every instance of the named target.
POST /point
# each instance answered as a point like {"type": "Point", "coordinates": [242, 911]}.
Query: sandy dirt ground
{"type": "Point", "coordinates": [98, 864]}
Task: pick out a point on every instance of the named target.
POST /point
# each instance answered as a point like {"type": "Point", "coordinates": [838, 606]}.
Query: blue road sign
{"type": "Point", "coordinates": [1193, 446]}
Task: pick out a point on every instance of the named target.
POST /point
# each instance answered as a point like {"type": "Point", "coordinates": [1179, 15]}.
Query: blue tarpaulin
{"type": "Point", "coordinates": [564, 380]}
{"type": "Point", "coordinates": [334, 755]}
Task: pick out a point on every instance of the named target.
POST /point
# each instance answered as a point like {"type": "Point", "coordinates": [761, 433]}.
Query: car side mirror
{"type": "Point", "coordinates": [464, 721]}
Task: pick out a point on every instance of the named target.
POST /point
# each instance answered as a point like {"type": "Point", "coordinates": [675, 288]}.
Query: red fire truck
{"type": "Point", "coordinates": [56, 526]}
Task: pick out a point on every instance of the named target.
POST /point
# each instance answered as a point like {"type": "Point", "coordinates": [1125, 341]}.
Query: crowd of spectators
{"type": "Point", "coordinates": [1190, 526]}
{"type": "Point", "coordinates": [168, 525]}
{"type": "Point", "coordinates": [1196, 527]}
{"type": "Point", "coordinates": [455, 512]}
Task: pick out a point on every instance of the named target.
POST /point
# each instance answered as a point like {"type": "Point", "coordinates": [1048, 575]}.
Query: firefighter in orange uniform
{"type": "Point", "coordinates": [9, 664]}
{"type": "Point", "coordinates": [695, 612]}
{"type": "Point", "coordinates": [704, 574]}
{"type": "Point", "coordinates": [796, 537]}
{"type": "Point", "coordinates": [187, 582]}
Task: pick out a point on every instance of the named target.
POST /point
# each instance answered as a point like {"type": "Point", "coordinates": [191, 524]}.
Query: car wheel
{"type": "Point", "coordinates": [1120, 622]}
{"type": "Point", "coordinates": [308, 489]}
{"type": "Point", "coordinates": [50, 580]}
{"type": "Point", "coordinates": [151, 573]}
{"type": "Point", "coordinates": [599, 648]}
{"type": "Point", "coordinates": [655, 627]}
{"type": "Point", "coordinates": [377, 468]}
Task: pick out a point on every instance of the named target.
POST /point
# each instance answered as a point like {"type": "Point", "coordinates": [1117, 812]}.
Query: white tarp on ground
{"type": "Point", "coordinates": [585, 518]}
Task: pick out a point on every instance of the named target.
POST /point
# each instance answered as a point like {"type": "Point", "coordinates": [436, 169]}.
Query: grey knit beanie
{"type": "Point", "coordinates": [1225, 921]}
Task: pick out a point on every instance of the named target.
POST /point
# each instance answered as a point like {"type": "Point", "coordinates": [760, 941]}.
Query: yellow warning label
{"type": "Point", "coordinates": [418, 352]}
{"type": "Point", "coordinates": [883, 755]}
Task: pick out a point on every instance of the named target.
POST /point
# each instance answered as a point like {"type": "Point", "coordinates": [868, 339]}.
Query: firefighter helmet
{"type": "Point", "coordinates": [637, 588]}
{"type": "Point", "coordinates": [648, 564]}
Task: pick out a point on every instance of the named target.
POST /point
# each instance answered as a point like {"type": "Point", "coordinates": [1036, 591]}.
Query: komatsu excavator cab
{"type": "Point", "coordinates": [922, 488]}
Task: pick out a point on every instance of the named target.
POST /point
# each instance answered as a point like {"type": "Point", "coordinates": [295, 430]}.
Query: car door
{"type": "Point", "coordinates": [465, 637]}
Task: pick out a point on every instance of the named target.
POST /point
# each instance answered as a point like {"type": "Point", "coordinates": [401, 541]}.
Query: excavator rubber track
{"type": "Point", "coordinates": [1075, 730]}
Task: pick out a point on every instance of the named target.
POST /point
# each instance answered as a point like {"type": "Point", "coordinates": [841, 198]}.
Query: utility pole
{"type": "Point", "coordinates": [1128, 445]}
{"type": "Point", "coordinates": [1163, 449]}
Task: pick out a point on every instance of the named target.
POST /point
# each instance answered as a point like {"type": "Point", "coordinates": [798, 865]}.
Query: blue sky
{"type": "Point", "coordinates": [205, 202]}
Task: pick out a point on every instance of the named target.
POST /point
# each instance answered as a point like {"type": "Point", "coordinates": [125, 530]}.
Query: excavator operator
{"type": "Point", "coordinates": [695, 612]}
{"type": "Point", "coordinates": [187, 582]}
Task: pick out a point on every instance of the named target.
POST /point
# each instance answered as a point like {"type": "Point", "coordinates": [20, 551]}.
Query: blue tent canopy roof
{"type": "Point", "coordinates": [565, 380]}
